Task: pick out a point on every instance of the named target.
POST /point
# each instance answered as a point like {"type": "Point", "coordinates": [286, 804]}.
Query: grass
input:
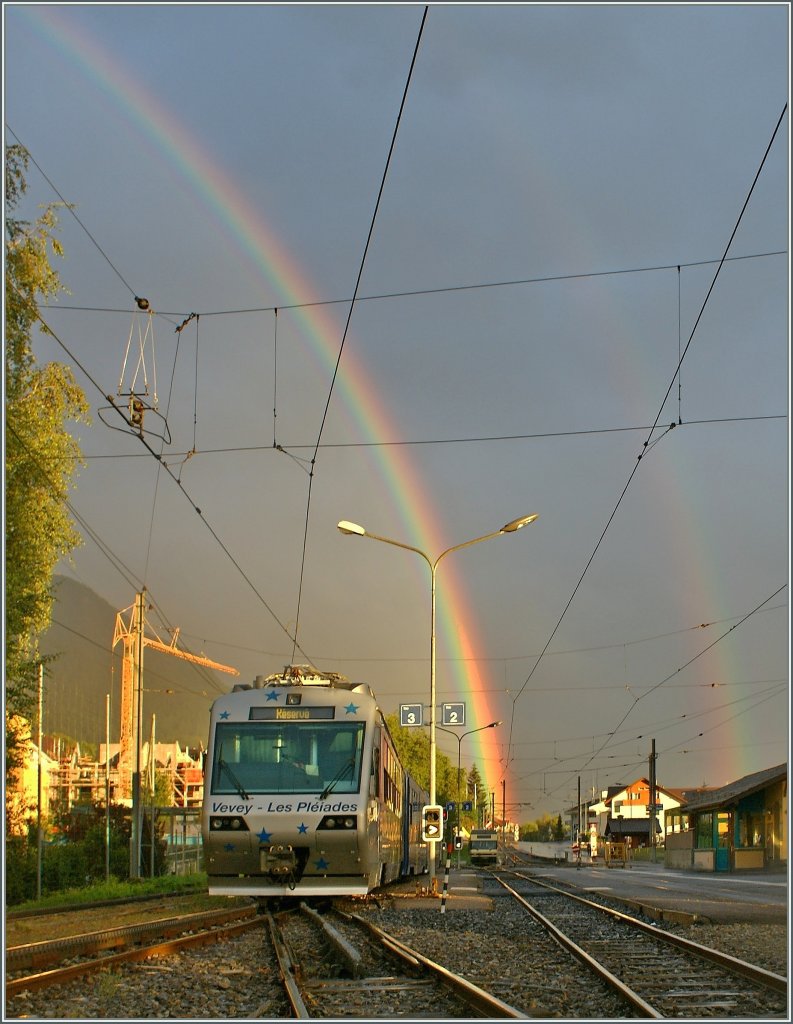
{"type": "Point", "coordinates": [118, 890]}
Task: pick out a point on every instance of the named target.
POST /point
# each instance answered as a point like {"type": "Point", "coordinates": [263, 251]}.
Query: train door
{"type": "Point", "coordinates": [373, 823]}
{"type": "Point", "coordinates": [723, 833]}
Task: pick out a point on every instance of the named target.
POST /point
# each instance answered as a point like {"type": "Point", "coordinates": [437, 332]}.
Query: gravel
{"type": "Point", "coordinates": [500, 949]}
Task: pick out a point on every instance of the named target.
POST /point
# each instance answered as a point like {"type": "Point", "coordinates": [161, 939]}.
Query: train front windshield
{"type": "Point", "coordinates": [270, 757]}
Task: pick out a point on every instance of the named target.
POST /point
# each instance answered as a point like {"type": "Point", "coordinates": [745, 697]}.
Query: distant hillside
{"type": "Point", "coordinates": [87, 669]}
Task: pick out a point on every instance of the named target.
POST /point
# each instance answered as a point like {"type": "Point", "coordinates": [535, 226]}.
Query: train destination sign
{"type": "Point", "coordinates": [304, 714]}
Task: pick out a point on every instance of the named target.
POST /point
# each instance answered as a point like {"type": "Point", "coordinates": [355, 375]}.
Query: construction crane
{"type": "Point", "coordinates": [131, 631]}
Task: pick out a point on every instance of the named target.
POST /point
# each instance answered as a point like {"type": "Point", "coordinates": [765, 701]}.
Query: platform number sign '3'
{"type": "Point", "coordinates": [410, 714]}
{"type": "Point", "coordinates": [453, 714]}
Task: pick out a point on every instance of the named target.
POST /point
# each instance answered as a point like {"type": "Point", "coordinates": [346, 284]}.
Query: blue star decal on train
{"type": "Point", "coordinates": [264, 836]}
{"type": "Point", "coordinates": [272, 695]}
{"type": "Point", "coordinates": [320, 864]}
{"type": "Point", "coordinates": [302, 829]}
{"type": "Point", "coordinates": [228, 847]}
{"type": "Point", "coordinates": [223, 714]}
{"type": "Point", "coordinates": [351, 708]}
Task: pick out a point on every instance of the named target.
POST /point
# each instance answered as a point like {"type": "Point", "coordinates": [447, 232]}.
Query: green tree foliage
{"type": "Point", "coordinates": [76, 856]}
{"type": "Point", "coordinates": [477, 789]}
{"type": "Point", "coordinates": [41, 456]}
{"type": "Point", "coordinates": [413, 747]}
{"type": "Point", "coordinates": [542, 830]}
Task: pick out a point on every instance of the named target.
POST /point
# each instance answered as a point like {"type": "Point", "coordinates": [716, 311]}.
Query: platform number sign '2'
{"type": "Point", "coordinates": [453, 714]}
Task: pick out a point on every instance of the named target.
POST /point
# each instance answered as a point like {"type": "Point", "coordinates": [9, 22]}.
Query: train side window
{"type": "Point", "coordinates": [374, 779]}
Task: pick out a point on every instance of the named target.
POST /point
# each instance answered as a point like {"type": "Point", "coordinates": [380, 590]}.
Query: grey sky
{"type": "Point", "coordinates": [229, 158]}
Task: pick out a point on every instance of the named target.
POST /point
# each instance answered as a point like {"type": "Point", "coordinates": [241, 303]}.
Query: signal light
{"type": "Point", "coordinates": [431, 827]}
{"type": "Point", "coordinates": [458, 842]}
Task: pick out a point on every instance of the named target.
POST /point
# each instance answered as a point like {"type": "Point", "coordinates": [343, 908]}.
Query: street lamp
{"type": "Point", "coordinates": [354, 530]}
{"type": "Point", "coordinates": [460, 738]}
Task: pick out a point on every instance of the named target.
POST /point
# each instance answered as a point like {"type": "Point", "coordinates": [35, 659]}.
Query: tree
{"type": "Point", "coordinates": [413, 747]}
{"type": "Point", "coordinates": [477, 788]}
{"type": "Point", "coordinates": [41, 456]}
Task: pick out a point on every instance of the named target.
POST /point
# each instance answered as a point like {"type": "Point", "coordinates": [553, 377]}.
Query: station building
{"type": "Point", "coordinates": [623, 812]}
{"type": "Point", "coordinates": [738, 827]}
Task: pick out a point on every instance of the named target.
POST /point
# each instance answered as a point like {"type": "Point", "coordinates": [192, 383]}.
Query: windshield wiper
{"type": "Point", "coordinates": [223, 765]}
{"type": "Point", "coordinates": [337, 778]}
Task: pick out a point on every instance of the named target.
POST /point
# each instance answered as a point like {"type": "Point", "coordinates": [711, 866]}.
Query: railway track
{"type": "Point", "coordinates": [76, 955]}
{"type": "Point", "coordinates": [346, 966]}
{"type": "Point", "coordinates": [339, 965]}
{"type": "Point", "coordinates": [658, 974]}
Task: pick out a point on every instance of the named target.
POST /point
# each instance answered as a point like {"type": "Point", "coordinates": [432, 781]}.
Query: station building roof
{"type": "Point", "coordinates": [731, 794]}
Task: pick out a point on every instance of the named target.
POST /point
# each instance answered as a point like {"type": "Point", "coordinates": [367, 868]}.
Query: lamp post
{"type": "Point", "coordinates": [460, 738]}
{"type": "Point", "coordinates": [354, 530]}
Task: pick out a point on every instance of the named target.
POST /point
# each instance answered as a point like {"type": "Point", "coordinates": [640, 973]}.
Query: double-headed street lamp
{"type": "Point", "coordinates": [353, 529]}
{"type": "Point", "coordinates": [460, 737]}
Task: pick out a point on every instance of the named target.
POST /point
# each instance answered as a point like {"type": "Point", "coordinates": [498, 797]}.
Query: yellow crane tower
{"type": "Point", "coordinates": [131, 632]}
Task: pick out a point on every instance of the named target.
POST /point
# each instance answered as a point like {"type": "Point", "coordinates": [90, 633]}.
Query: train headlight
{"type": "Point", "coordinates": [338, 821]}
{"type": "Point", "coordinates": [228, 824]}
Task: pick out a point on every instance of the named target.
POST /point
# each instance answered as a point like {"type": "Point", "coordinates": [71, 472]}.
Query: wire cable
{"type": "Point", "coordinates": [581, 276]}
{"type": "Point", "coordinates": [126, 573]}
{"type": "Point", "coordinates": [349, 316]}
{"type": "Point", "coordinates": [288, 449]}
{"type": "Point", "coordinates": [652, 429]}
{"type": "Point", "coordinates": [70, 208]}
{"type": "Point", "coordinates": [179, 484]}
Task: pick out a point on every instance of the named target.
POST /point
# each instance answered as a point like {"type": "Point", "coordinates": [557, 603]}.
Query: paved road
{"type": "Point", "coordinates": [733, 897]}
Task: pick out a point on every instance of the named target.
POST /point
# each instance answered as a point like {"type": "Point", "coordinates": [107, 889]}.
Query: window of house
{"type": "Point", "coordinates": [705, 831]}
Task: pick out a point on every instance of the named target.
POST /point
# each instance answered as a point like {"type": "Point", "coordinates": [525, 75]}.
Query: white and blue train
{"type": "Point", "coordinates": [304, 793]}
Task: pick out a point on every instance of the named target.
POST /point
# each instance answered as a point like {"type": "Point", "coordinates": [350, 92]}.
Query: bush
{"type": "Point", "coordinates": [77, 858]}
{"type": "Point", "coordinates": [20, 869]}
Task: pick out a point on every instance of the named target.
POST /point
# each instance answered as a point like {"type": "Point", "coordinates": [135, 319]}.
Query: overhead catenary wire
{"type": "Point", "coordinates": [70, 208]}
{"type": "Point", "coordinates": [142, 440]}
{"type": "Point", "coordinates": [126, 573]}
{"type": "Point", "coordinates": [650, 729]}
{"type": "Point", "coordinates": [612, 732]}
{"type": "Point", "coordinates": [500, 659]}
{"type": "Point", "coordinates": [441, 290]}
{"type": "Point", "coordinates": [321, 445]}
{"type": "Point", "coordinates": [349, 317]}
{"type": "Point", "coordinates": [690, 662]}
{"type": "Point", "coordinates": [483, 439]}
{"type": "Point", "coordinates": [603, 769]}
{"type": "Point", "coordinates": [661, 407]}
{"type": "Point", "coordinates": [275, 375]}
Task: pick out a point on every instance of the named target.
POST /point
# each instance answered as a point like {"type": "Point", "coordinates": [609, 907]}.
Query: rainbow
{"type": "Point", "coordinates": [361, 399]}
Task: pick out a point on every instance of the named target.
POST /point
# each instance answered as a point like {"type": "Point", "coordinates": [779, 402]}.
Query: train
{"type": "Point", "coordinates": [485, 848]}
{"type": "Point", "coordinates": [304, 792]}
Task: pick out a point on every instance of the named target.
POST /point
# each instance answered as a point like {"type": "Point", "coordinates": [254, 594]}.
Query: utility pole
{"type": "Point", "coordinates": [652, 801]}
{"type": "Point", "coordinates": [39, 842]}
{"type": "Point", "coordinates": [152, 783]}
{"type": "Point", "coordinates": [137, 711]}
{"type": "Point", "coordinates": [107, 787]}
{"type": "Point", "coordinates": [134, 641]}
